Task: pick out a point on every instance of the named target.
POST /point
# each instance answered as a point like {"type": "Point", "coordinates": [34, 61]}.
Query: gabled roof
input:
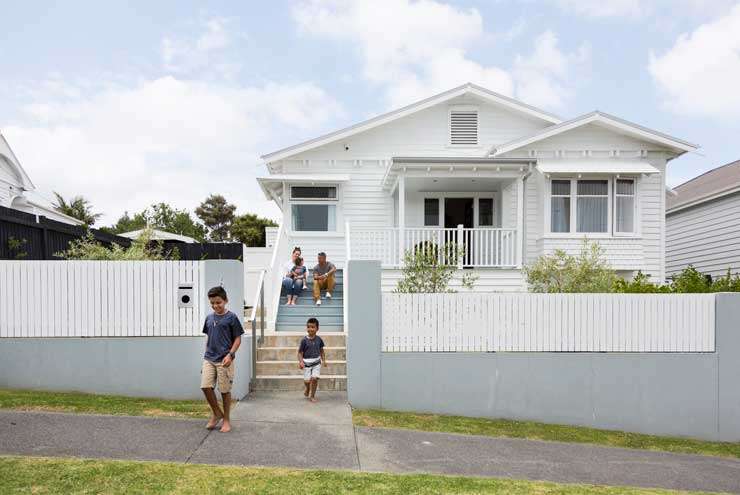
{"type": "Point", "coordinates": [7, 153]}
{"type": "Point", "coordinates": [714, 184]}
{"type": "Point", "coordinates": [604, 119]}
{"type": "Point", "coordinates": [385, 118]}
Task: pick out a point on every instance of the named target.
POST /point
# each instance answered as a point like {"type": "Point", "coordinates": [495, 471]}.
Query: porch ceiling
{"type": "Point", "coordinates": [455, 184]}
{"type": "Point", "coordinates": [457, 168]}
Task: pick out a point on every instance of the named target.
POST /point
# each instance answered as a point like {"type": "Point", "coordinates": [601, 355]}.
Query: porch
{"type": "Point", "coordinates": [467, 212]}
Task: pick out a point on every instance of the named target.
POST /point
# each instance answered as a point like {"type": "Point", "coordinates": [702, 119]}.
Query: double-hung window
{"type": "Point", "coordinates": [593, 206]}
{"type": "Point", "coordinates": [314, 208]}
{"type": "Point", "coordinates": [560, 206]}
{"type": "Point", "coordinates": [624, 206]}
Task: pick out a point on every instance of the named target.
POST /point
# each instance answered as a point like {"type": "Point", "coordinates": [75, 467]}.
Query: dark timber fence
{"type": "Point", "coordinates": [24, 236]}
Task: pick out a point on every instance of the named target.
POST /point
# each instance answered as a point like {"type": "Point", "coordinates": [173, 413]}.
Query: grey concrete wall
{"type": "Point", "coordinates": [363, 342]}
{"type": "Point", "coordinates": [230, 275]}
{"type": "Point", "coordinates": [166, 367]}
{"type": "Point", "coordinates": [694, 395]}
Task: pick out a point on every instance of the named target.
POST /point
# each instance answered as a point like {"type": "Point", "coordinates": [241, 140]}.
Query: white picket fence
{"type": "Point", "coordinates": [548, 322]}
{"type": "Point", "coordinates": [98, 298]}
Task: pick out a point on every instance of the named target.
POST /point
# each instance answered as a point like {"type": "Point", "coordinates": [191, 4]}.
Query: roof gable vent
{"type": "Point", "coordinates": [464, 126]}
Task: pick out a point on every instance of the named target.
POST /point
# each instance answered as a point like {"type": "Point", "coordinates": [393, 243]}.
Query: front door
{"type": "Point", "coordinates": [459, 211]}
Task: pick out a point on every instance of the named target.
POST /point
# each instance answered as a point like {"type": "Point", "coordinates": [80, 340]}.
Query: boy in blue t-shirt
{"type": "Point", "coordinates": [224, 330]}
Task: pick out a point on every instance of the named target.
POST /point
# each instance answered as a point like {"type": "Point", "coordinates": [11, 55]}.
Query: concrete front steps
{"type": "Point", "coordinates": [330, 314]}
{"type": "Point", "coordinates": [277, 362]}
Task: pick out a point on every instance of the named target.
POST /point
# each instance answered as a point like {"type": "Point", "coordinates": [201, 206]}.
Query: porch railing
{"type": "Point", "coordinates": [476, 247]}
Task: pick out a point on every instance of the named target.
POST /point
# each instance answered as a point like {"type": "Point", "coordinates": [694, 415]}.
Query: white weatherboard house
{"type": "Point", "coordinates": [506, 180]}
{"type": "Point", "coordinates": [17, 190]}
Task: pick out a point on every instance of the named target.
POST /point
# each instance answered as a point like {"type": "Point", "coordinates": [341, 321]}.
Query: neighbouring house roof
{"type": "Point", "coordinates": [605, 166]}
{"type": "Point", "coordinates": [7, 154]}
{"type": "Point", "coordinates": [272, 186]}
{"type": "Point", "coordinates": [714, 184]}
{"type": "Point", "coordinates": [159, 235]}
{"type": "Point", "coordinates": [385, 118]}
{"type": "Point", "coordinates": [620, 125]}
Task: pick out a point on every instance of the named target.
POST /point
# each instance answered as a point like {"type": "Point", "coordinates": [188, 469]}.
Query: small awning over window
{"type": "Point", "coordinates": [605, 166]}
{"type": "Point", "coordinates": [272, 185]}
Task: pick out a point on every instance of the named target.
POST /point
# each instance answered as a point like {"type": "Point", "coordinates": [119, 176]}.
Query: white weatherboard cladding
{"type": "Point", "coordinates": [4, 194]}
{"type": "Point", "coordinates": [588, 137]}
{"type": "Point", "coordinates": [363, 204]}
{"type": "Point", "coordinates": [706, 236]}
{"type": "Point", "coordinates": [427, 133]}
{"type": "Point", "coordinates": [499, 280]}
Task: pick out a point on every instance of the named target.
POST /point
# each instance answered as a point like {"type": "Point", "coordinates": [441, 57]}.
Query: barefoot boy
{"type": "Point", "coordinates": [310, 358]}
{"type": "Point", "coordinates": [224, 332]}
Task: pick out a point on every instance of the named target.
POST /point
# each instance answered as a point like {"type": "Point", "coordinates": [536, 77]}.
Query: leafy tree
{"type": "Point", "coordinates": [163, 217]}
{"type": "Point", "coordinates": [217, 215]}
{"type": "Point", "coordinates": [143, 248]}
{"type": "Point", "coordinates": [561, 272]}
{"type": "Point", "coordinates": [249, 229]}
{"type": "Point", "coordinates": [77, 207]}
{"type": "Point", "coordinates": [424, 270]}
{"type": "Point", "coordinates": [127, 223]}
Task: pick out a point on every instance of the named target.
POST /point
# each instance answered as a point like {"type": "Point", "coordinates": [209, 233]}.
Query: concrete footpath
{"type": "Point", "coordinates": [285, 430]}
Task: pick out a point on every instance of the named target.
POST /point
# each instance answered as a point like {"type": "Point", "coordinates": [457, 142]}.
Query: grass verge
{"type": "Point", "coordinates": [539, 431]}
{"type": "Point", "coordinates": [63, 476]}
{"type": "Point", "coordinates": [74, 402]}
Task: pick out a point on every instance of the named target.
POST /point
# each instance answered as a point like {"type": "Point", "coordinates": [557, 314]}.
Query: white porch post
{"type": "Point", "coordinates": [401, 217]}
{"type": "Point", "coordinates": [519, 220]}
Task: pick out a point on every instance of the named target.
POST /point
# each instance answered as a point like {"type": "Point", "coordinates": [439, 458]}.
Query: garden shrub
{"type": "Point", "coordinates": [561, 272]}
{"type": "Point", "coordinates": [143, 248]}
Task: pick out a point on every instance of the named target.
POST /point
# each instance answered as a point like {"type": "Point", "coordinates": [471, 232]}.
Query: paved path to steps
{"type": "Point", "coordinates": [284, 430]}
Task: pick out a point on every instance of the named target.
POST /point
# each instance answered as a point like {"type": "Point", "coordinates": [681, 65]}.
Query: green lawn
{"type": "Point", "coordinates": [539, 431]}
{"type": "Point", "coordinates": [32, 400]}
{"type": "Point", "coordinates": [66, 476]}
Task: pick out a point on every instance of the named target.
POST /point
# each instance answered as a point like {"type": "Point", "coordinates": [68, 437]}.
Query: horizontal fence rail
{"type": "Point", "coordinates": [98, 298]}
{"type": "Point", "coordinates": [467, 247]}
{"type": "Point", "coordinates": [548, 322]}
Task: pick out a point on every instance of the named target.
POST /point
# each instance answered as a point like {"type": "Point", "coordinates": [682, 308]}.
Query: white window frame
{"type": "Point", "coordinates": [476, 195]}
{"type": "Point", "coordinates": [611, 219]}
{"type": "Point", "coordinates": [336, 202]}
{"type": "Point", "coordinates": [463, 108]}
{"type": "Point", "coordinates": [570, 204]}
{"type": "Point", "coordinates": [635, 208]}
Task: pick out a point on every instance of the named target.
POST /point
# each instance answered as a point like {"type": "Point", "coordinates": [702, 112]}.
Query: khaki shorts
{"type": "Point", "coordinates": [212, 373]}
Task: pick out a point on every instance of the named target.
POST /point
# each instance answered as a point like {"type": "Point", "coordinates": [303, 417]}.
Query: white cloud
{"type": "Point", "coordinates": [417, 48]}
{"type": "Point", "coordinates": [604, 8]}
{"type": "Point", "coordinates": [642, 9]}
{"type": "Point", "coordinates": [185, 55]}
{"type": "Point", "coordinates": [127, 145]}
{"type": "Point", "coordinates": [700, 74]}
{"type": "Point", "coordinates": [544, 74]}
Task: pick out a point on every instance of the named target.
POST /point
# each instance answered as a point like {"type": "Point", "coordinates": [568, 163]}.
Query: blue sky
{"type": "Point", "coordinates": [140, 102]}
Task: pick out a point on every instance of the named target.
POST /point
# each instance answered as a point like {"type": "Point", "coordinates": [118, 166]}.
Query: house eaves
{"type": "Point", "coordinates": [469, 88]}
{"type": "Point", "coordinates": [616, 123]}
{"type": "Point", "coordinates": [7, 153]}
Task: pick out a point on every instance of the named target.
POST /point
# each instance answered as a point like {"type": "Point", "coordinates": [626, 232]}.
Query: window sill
{"type": "Point", "coordinates": [581, 235]}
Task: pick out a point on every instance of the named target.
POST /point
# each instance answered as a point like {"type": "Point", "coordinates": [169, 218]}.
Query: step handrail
{"type": "Point", "coordinates": [259, 300]}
